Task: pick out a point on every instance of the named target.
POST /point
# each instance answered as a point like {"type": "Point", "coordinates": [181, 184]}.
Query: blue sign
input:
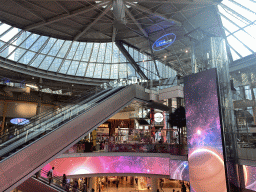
{"type": "Point", "coordinates": [164, 42]}
{"type": "Point", "coordinates": [20, 121]}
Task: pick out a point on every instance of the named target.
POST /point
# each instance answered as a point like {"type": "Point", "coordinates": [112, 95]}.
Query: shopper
{"type": "Point", "coordinates": [64, 180]}
{"type": "Point", "coordinates": [75, 186]}
{"type": "Point", "coordinates": [38, 174]}
{"type": "Point", "coordinates": [50, 175]}
{"type": "Point", "coordinates": [183, 187]}
{"type": "Point", "coordinates": [117, 182]}
{"type": "Point", "coordinates": [161, 183]}
{"type": "Point", "coordinates": [84, 187]}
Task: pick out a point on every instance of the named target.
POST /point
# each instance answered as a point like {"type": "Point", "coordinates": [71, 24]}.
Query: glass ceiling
{"type": "Point", "coordinates": [92, 60]}
{"type": "Point", "coordinates": [239, 22]}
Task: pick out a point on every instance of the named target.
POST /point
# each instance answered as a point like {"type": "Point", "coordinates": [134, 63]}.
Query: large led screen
{"type": "Point", "coordinates": [205, 152]}
{"type": "Point", "coordinates": [250, 177]}
{"type": "Point", "coordinates": [109, 164]}
{"type": "Point", "coordinates": [179, 170]}
{"type": "Point", "coordinates": [119, 164]}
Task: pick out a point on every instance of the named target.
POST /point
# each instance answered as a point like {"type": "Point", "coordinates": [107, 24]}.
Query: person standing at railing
{"type": "Point", "coordinates": [50, 174]}
{"type": "Point", "coordinates": [75, 186]}
{"type": "Point", "coordinates": [84, 187]}
{"type": "Point", "coordinates": [64, 180]}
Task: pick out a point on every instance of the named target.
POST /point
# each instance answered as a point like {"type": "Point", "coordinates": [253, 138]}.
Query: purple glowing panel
{"type": "Point", "coordinates": [250, 177]}
{"type": "Point", "coordinates": [205, 152]}
{"type": "Point", "coordinates": [109, 164]}
{"type": "Point", "coordinates": [179, 170]}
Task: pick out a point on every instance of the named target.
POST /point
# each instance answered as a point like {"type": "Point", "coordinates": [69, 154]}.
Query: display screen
{"type": "Point", "coordinates": [109, 164]}
{"type": "Point", "coordinates": [250, 177]}
{"type": "Point", "coordinates": [205, 152]}
{"type": "Point", "coordinates": [119, 164]}
{"type": "Point", "coordinates": [179, 170]}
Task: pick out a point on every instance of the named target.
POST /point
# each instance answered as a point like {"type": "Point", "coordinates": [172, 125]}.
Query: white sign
{"type": "Point", "coordinates": [159, 117]}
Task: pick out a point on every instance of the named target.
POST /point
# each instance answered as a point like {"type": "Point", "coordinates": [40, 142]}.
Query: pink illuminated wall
{"type": "Point", "coordinates": [119, 164]}
{"type": "Point", "coordinates": [109, 164]}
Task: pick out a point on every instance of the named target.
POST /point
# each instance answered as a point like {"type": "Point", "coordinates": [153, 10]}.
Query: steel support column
{"type": "Point", "coordinates": [130, 59]}
{"type": "Point", "coordinates": [4, 115]}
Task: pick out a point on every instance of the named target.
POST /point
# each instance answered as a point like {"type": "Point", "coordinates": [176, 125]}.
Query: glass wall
{"type": "Point", "coordinates": [239, 23]}
{"type": "Point", "coordinates": [86, 59]}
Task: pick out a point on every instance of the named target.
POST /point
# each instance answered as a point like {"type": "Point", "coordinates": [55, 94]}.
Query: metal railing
{"type": "Point", "coordinates": [174, 149]}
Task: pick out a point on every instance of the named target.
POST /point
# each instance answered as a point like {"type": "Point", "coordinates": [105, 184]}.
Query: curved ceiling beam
{"type": "Point", "coordinates": [136, 22]}
{"type": "Point", "coordinates": [144, 9]}
{"type": "Point", "coordinates": [92, 23]}
{"type": "Point", "coordinates": [64, 16]}
{"type": "Point", "coordinates": [27, 70]}
{"type": "Point", "coordinates": [29, 10]}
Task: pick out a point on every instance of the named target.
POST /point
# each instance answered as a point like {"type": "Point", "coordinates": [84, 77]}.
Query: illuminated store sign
{"type": "Point", "coordinates": [20, 121]}
{"type": "Point", "coordinates": [159, 117]}
{"type": "Point", "coordinates": [205, 150]}
{"type": "Point", "coordinates": [164, 42]}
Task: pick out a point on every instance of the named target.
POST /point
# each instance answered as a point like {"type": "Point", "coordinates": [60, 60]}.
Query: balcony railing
{"type": "Point", "coordinates": [173, 149]}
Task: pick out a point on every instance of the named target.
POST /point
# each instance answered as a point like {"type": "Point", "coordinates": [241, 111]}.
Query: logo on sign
{"type": "Point", "coordinates": [164, 42]}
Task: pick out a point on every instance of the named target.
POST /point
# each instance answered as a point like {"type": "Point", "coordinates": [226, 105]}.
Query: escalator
{"type": "Point", "coordinates": [34, 145]}
{"type": "Point", "coordinates": [32, 184]}
{"type": "Point", "coordinates": [41, 184]}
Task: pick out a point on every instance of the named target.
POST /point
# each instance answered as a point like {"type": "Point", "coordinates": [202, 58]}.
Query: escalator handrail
{"type": "Point", "coordinates": [18, 139]}
{"type": "Point", "coordinates": [14, 129]}
{"type": "Point", "coordinates": [46, 113]}
{"type": "Point", "coordinates": [42, 121]}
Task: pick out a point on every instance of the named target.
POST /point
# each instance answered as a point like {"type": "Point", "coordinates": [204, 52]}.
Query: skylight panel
{"type": "Point", "coordinates": [238, 46]}
{"type": "Point", "coordinates": [238, 19]}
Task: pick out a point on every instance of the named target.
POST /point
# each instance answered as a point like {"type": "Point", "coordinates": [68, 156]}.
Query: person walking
{"type": "Point", "coordinates": [64, 180]}
{"type": "Point", "coordinates": [50, 175]}
{"type": "Point", "coordinates": [75, 186]}
{"type": "Point", "coordinates": [161, 183]}
{"type": "Point", "coordinates": [183, 187]}
{"type": "Point", "coordinates": [84, 187]}
{"type": "Point", "coordinates": [117, 182]}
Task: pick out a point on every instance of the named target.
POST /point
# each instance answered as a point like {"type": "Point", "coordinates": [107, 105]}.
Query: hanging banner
{"type": "Point", "coordinates": [205, 150]}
